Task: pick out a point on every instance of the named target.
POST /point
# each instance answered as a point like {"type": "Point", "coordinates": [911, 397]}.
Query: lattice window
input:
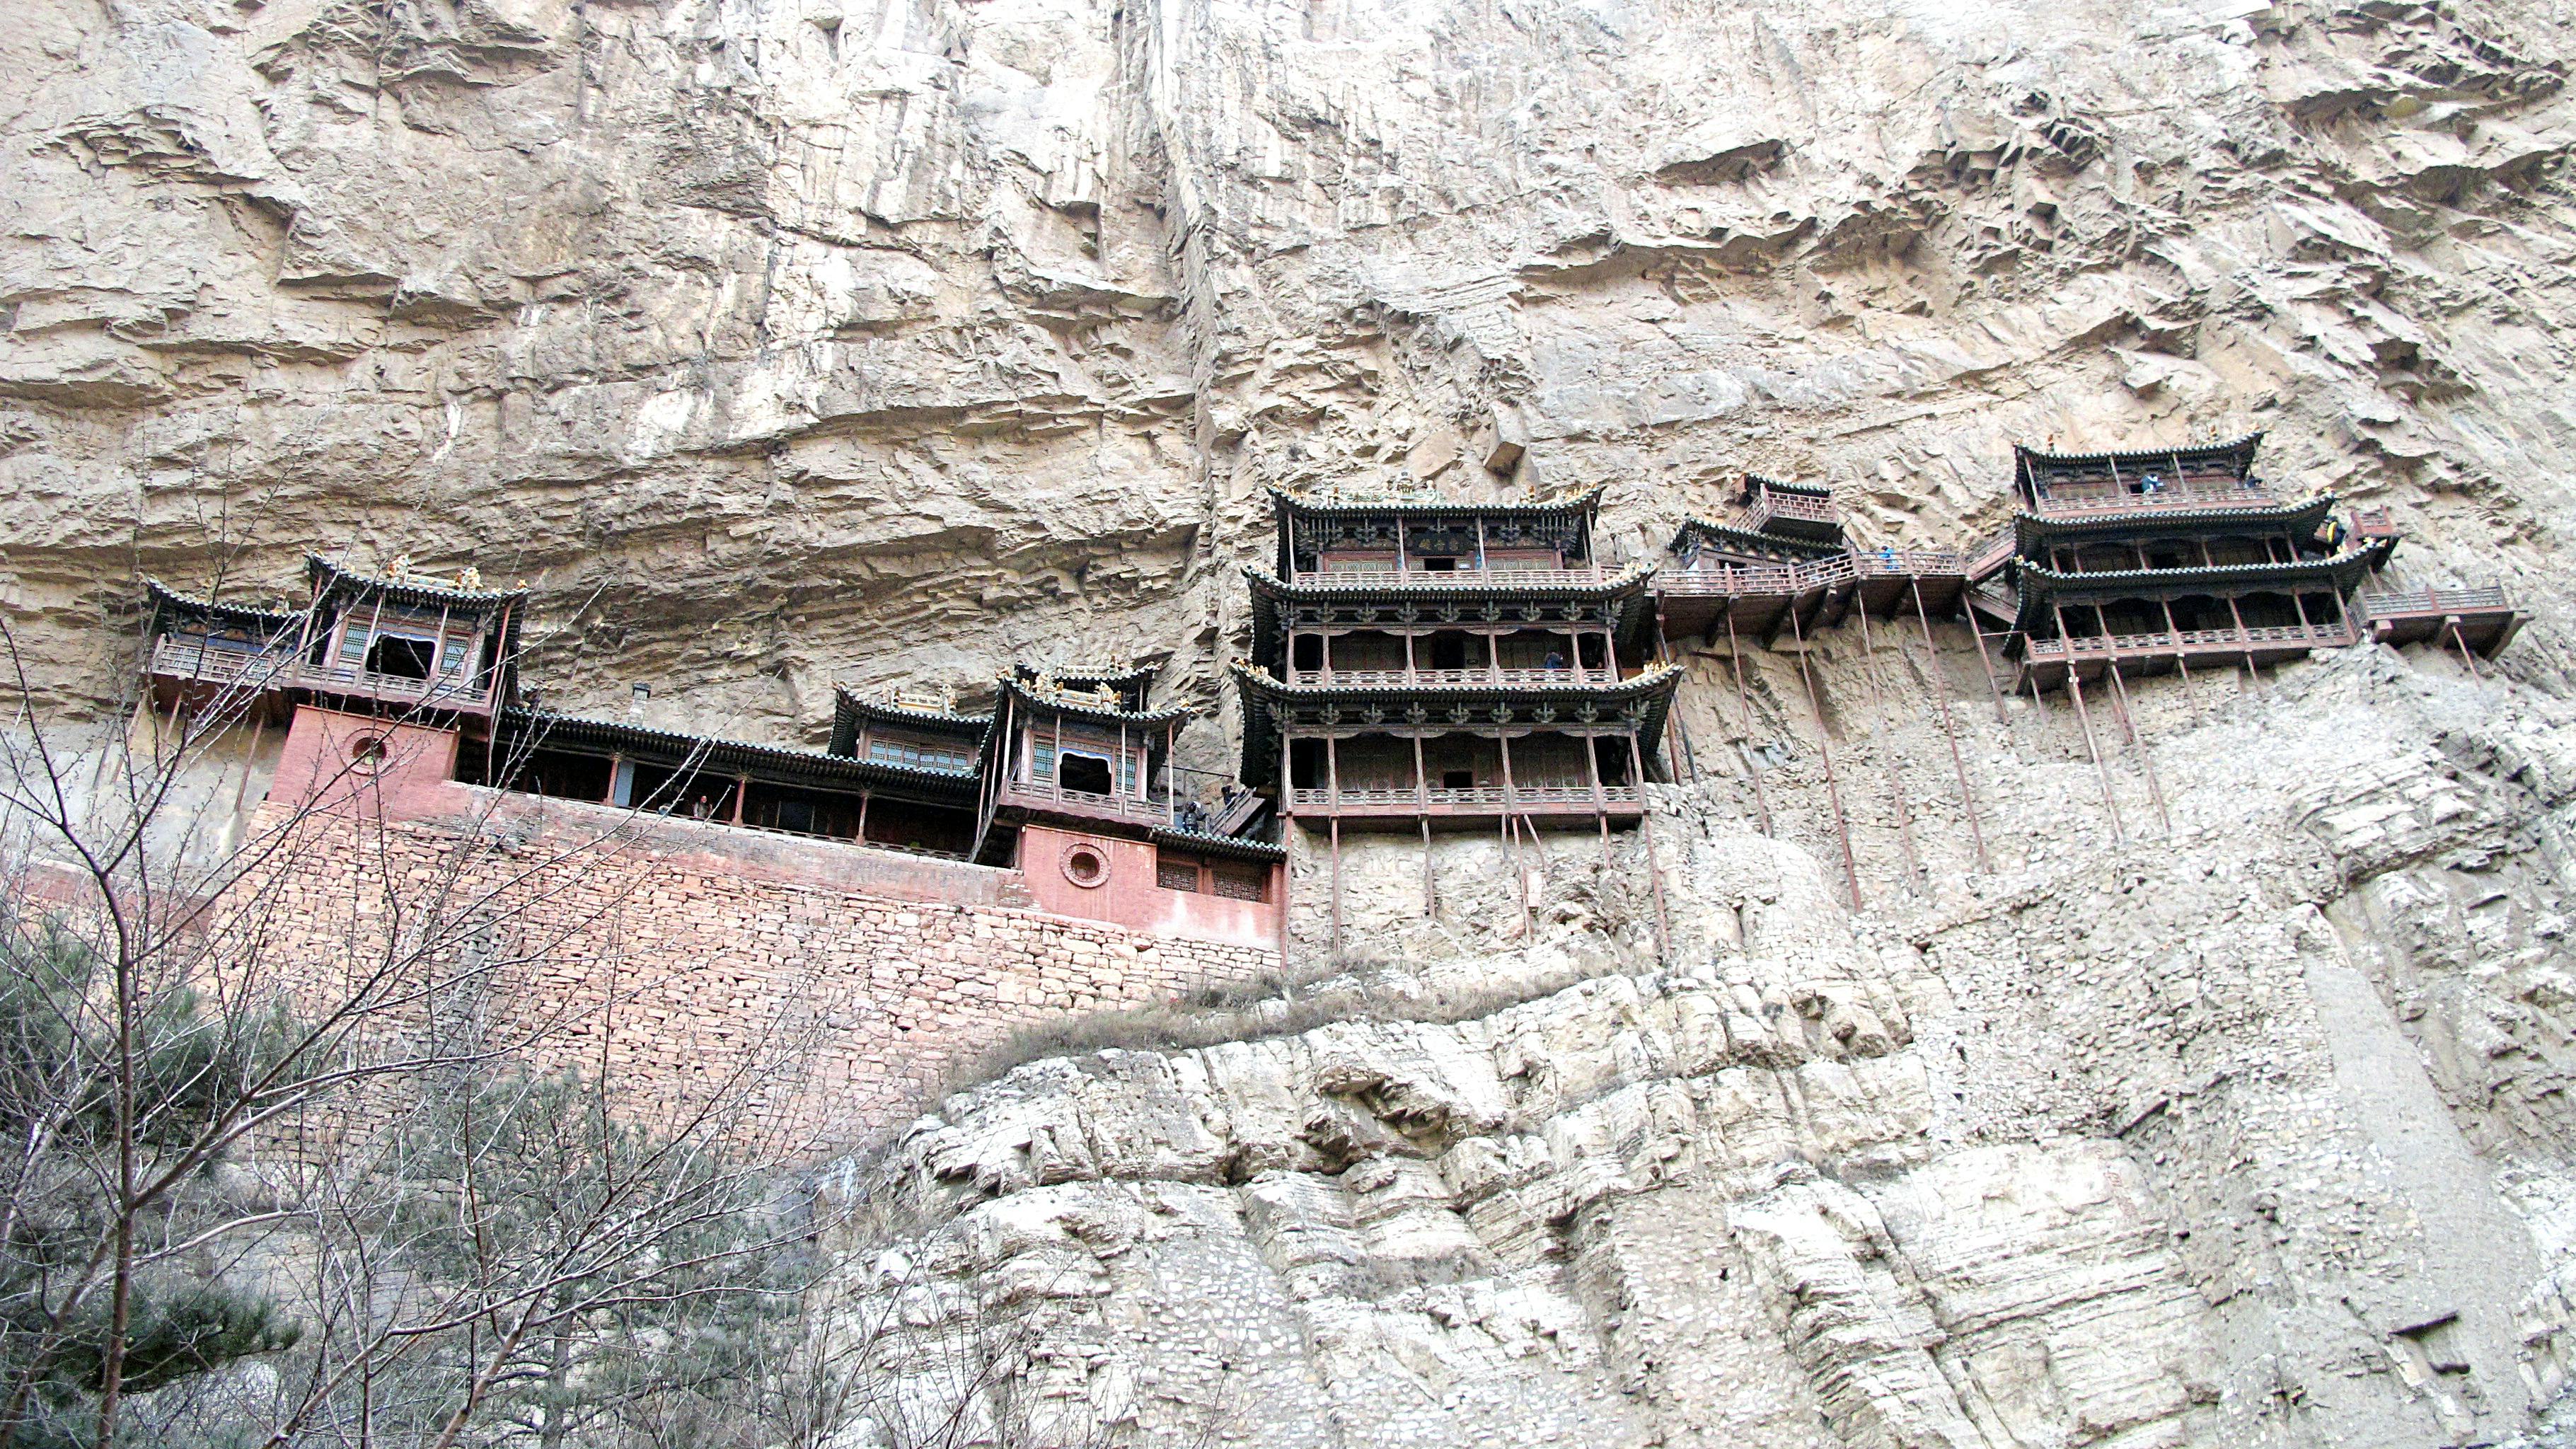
{"type": "Point", "coordinates": [1241, 882]}
{"type": "Point", "coordinates": [1176, 875]}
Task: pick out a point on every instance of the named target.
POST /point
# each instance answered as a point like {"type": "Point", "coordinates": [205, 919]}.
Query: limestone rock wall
{"type": "Point", "coordinates": [2218, 1099]}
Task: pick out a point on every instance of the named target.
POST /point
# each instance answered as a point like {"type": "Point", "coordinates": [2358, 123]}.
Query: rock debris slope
{"type": "Point", "coordinates": [779, 344]}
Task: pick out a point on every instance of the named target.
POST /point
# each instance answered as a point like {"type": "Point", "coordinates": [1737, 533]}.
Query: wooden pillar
{"type": "Point", "coordinates": [741, 787]}
{"type": "Point", "coordinates": [2453, 624]}
{"type": "Point", "coordinates": [1646, 839]}
{"type": "Point", "coordinates": [1494, 656]}
{"type": "Point", "coordinates": [616, 762]}
{"type": "Point", "coordinates": [2182, 663]}
{"type": "Point", "coordinates": [1941, 697]}
{"type": "Point", "coordinates": [1744, 702]}
{"type": "Point", "coordinates": [2075, 687]}
{"type": "Point", "coordinates": [1422, 816]}
{"type": "Point", "coordinates": [2238, 615]}
{"type": "Point", "coordinates": [1512, 839]}
{"type": "Point", "coordinates": [1977, 632]}
{"type": "Point", "coordinates": [1411, 679]}
{"type": "Point", "coordinates": [2129, 723]}
{"type": "Point", "coordinates": [864, 797]}
{"type": "Point", "coordinates": [1333, 792]}
{"type": "Point", "coordinates": [1824, 752]}
{"type": "Point", "coordinates": [1887, 760]}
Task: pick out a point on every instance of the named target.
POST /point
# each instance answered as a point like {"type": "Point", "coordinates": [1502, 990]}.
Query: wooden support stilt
{"type": "Point", "coordinates": [1422, 803]}
{"type": "Point", "coordinates": [1824, 752]}
{"type": "Point", "coordinates": [1646, 838]}
{"type": "Point", "coordinates": [1941, 697]}
{"type": "Point", "coordinates": [1676, 738]}
{"type": "Point", "coordinates": [1336, 827]}
{"type": "Point", "coordinates": [2075, 687]}
{"type": "Point", "coordinates": [1429, 908]}
{"type": "Point", "coordinates": [1888, 761]}
{"type": "Point", "coordinates": [2129, 723]}
{"type": "Point", "coordinates": [1512, 840]}
{"type": "Point", "coordinates": [1978, 633]}
{"type": "Point", "coordinates": [2466, 657]}
{"type": "Point", "coordinates": [1744, 701]}
{"type": "Point", "coordinates": [1333, 790]}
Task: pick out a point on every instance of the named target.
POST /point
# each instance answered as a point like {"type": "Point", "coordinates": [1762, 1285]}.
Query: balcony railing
{"type": "Point", "coordinates": [1754, 580]}
{"type": "Point", "coordinates": [2416, 603]}
{"type": "Point", "coordinates": [1042, 795]}
{"type": "Point", "coordinates": [193, 662]}
{"type": "Point", "coordinates": [1793, 507]}
{"type": "Point", "coordinates": [1900, 563]}
{"type": "Point", "coordinates": [1390, 578]}
{"type": "Point", "coordinates": [1557, 678]}
{"type": "Point", "coordinates": [2038, 651]}
{"type": "Point", "coordinates": [1524, 797]}
{"type": "Point", "coordinates": [2170, 496]}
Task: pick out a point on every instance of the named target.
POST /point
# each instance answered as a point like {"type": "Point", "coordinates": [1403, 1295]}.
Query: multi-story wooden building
{"type": "Point", "coordinates": [2122, 564]}
{"type": "Point", "coordinates": [400, 643]}
{"type": "Point", "coordinates": [1427, 664]}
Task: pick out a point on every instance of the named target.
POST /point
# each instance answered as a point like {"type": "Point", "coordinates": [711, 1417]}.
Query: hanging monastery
{"type": "Point", "coordinates": [1415, 666]}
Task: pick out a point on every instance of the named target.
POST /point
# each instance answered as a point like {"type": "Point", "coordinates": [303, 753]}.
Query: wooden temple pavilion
{"type": "Point", "coordinates": [2153, 561]}
{"type": "Point", "coordinates": [1429, 664]}
{"type": "Point", "coordinates": [401, 643]}
{"type": "Point", "coordinates": [1782, 565]}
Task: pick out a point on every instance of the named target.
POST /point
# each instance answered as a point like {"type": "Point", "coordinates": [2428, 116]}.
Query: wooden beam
{"type": "Point", "coordinates": [1824, 752]}
{"type": "Point", "coordinates": [1744, 701]}
{"type": "Point", "coordinates": [1887, 760]}
{"type": "Point", "coordinates": [2128, 722]}
{"type": "Point", "coordinates": [1941, 697]}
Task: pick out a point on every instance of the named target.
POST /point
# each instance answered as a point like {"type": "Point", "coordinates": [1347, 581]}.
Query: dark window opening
{"type": "Point", "coordinates": [1592, 650]}
{"type": "Point", "coordinates": [801, 812]}
{"type": "Point", "coordinates": [1457, 779]}
{"type": "Point", "coordinates": [1610, 756]}
{"type": "Point", "coordinates": [927, 829]}
{"type": "Point", "coordinates": [1440, 565]}
{"type": "Point", "coordinates": [1087, 773]}
{"type": "Point", "coordinates": [1307, 651]}
{"type": "Point", "coordinates": [1306, 764]}
{"type": "Point", "coordinates": [401, 657]}
{"type": "Point", "coordinates": [561, 774]}
{"type": "Point", "coordinates": [1448, 651]}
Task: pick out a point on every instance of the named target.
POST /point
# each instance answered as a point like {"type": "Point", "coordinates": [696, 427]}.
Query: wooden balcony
{"type": "Point", "coordinates": [1388, 578]}
{"type": "Point", "coordinates": [1801, 512]}
{"type": "Point", "coordinates": [1488, 804]}
{"type": "Point", "coordinates": [2048, 661]}
{"type": "Point", "coordinates": [2482, 621]}
{"type": "Point", "coordinates": [1044, 798]}
{"type": "Point", "coordinates": [1767, 600]}
{"type": "Point", "coordinates": [193, 667]}
{"type": "Point", "coordinates": [1564, 677]}
{"type": "Point", "coordinates": [2174, 498]}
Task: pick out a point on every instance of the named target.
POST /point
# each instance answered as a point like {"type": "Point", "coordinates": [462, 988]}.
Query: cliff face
{"type": "Point", "coordinates": [784, 343]}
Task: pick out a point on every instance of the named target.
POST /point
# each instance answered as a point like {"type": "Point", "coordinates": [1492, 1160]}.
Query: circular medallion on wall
{"type": "Point", "coordinates": [366, 752]}
{"type": "Point", "coordinates": [1086, 865]}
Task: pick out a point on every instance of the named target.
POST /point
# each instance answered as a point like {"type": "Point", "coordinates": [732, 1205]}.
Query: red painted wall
{"type": "Point", "coordinates": [412, 780]}
{"type": "Point", "coordinates": [1126, 894]}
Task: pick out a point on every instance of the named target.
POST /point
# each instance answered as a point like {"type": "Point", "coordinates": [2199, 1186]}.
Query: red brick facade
{"type": "Point", "coordinates": [674, 952]}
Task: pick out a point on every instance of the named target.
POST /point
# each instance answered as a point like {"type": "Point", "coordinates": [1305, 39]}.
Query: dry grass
{"type": "Point", "coordinates": [1274, 1005]}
